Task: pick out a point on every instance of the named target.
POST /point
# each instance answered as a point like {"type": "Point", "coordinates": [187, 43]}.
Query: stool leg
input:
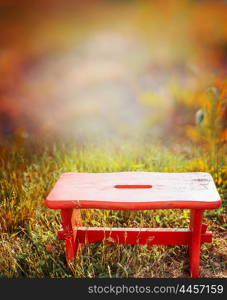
{"type": "Point", "coordinates": [76, 222]}
{"type": "Point", "coordinates": [195, 244]}
{"type": "Point", "coordinates": [69, 221]}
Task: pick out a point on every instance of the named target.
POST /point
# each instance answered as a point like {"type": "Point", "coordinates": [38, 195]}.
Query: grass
{"type": "Point", "coordinates": [28, 241]}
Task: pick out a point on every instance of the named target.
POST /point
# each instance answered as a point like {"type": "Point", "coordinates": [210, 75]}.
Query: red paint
{"type": "Point", "coordinates": [204, 228]}
{"type": "Point", "coordinates": [169, 190]}
{"type": "Point", "coordinates": [194, 247]}
{"type": "Point", "coordinates": [70, 220]}
{"type": "Point", "coordinates": [195, 191]}
{"type": "Point", "coordinates": [139, 236]}
{"type": "Point", "coordinates": [132, 205]}
{"type": "Point", "coordinates": [133, 186]}
{"type": "Point", "coordinates": [70, 240]}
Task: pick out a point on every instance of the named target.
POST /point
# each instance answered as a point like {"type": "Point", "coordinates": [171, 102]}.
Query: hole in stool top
{"type": "Point", "coordinates": [134, 190]}
{"type": "Point", "coordinates": [133, 186]}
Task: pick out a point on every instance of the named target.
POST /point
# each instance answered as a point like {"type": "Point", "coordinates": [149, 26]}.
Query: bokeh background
{"type": "Point", "coordinates": [100, 70]}
{"type": "Point", "coordinates": [109, 86]}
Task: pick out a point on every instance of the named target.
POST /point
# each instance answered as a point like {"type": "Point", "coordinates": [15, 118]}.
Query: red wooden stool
{"type": "Point", "coordinates": [134, 191]}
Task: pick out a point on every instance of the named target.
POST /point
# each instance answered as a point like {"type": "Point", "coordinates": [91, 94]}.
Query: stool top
{"type": "Point", "coordinates": [134, 190]}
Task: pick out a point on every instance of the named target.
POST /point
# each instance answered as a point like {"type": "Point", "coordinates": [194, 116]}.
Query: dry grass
{"type": "Point", "coordinates": [28, 229]}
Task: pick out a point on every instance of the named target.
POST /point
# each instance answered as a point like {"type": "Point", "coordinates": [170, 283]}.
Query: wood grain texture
{"type": "Point", "coordinates": [168, 190]}
{"type": "Point", "coordinates": [136, 236]}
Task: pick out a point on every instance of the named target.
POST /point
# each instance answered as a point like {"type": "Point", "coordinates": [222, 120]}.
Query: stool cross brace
{"type": "Point", "coordinates": [134, 191]}
{"type": "Point", "coordinates": [76, 236]}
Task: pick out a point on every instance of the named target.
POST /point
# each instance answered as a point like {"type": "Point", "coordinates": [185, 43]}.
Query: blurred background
{"type": "Point", "coordinates": [108, 86]}
{"type": "Point", "coordinates": [95, 71]}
